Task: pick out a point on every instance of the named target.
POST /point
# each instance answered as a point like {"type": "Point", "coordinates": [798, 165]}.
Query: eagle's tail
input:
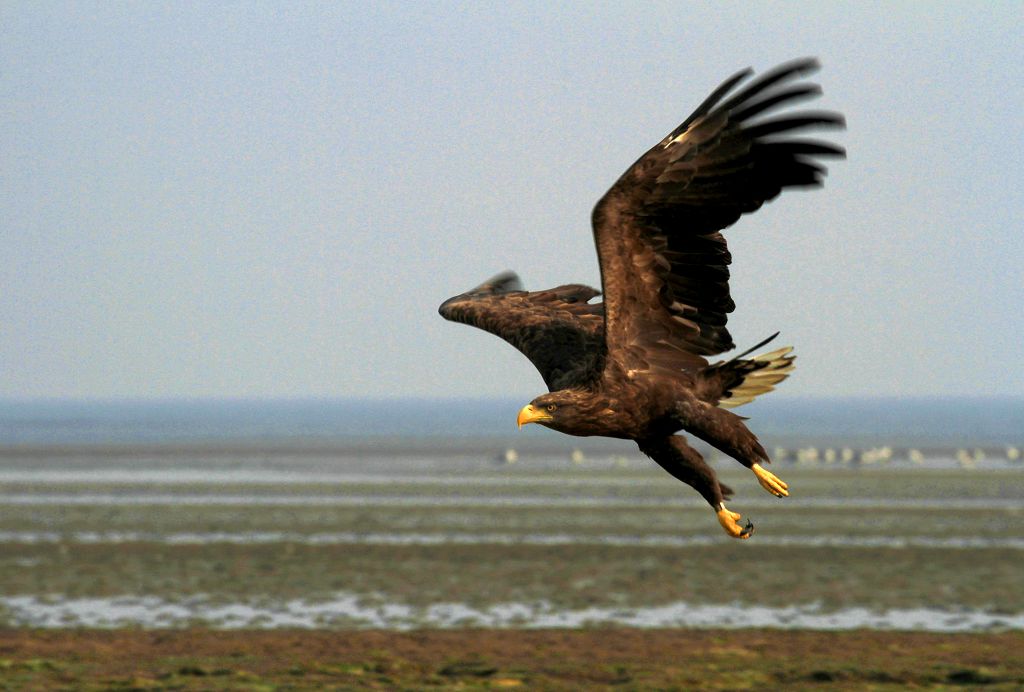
{"type": "Point", "coordinates": [742, 379]}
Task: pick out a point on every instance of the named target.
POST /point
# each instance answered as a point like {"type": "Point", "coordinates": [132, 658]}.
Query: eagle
{"type": "Point", "coordinates": [635, 364]}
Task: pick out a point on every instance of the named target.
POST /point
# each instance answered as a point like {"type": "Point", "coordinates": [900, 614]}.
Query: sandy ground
{"type": "Point", "coordinates": [480, 659]}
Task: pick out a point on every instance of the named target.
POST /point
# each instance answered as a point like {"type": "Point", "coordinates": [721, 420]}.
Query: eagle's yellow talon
{"type": "Point", "coordinates": [730, 522]}
{"type": "Point", "coordinates": [770, 482]}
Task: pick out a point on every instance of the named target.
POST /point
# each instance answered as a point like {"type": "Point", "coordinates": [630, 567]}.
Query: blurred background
{"type": "Point", "coordinates": [228, 399]}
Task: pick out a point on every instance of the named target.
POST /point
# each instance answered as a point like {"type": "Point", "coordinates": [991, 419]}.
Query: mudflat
{"type": "Point", "coordinates": [595, 659]}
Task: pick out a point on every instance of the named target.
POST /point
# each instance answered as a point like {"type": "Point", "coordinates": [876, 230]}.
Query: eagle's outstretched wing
{"type": "Point", "coordinates": [558, 329]}
{"type": "Point", "coordinates": [664, 264]}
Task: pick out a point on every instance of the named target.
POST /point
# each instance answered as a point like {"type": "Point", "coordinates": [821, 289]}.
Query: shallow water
{"type": "Point", "coordinates": [353, 538]}
{"type": "Point", "coordinates": [351, 610]}
{"type": "Point", "coordinates": [684, 500]}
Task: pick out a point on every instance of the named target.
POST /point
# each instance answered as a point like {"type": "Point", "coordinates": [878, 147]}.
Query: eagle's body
{"type": "Point", "coordinates": [634, 366]}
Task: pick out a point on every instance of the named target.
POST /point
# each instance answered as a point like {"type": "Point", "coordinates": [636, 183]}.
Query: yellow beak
{"type": "Point", "coordinates": [528, 414]}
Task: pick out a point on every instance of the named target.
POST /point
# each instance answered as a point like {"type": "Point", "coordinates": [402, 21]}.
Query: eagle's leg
{"type": "Point", "coordinates": [726, 431]}
{"type": "Point", "coordinates": [770, 482]}
{"type": "Point", "coordinates": [730, 521]}
{"type": "Point", "coordinates": [685, 463]}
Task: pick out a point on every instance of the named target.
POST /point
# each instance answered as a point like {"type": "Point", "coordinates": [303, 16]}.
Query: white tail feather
{"type": "Point", "coordinates": [771, 368]}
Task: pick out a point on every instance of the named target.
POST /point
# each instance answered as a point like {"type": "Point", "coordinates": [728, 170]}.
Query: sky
{"type": "Point", "coordinates": [267, 200]}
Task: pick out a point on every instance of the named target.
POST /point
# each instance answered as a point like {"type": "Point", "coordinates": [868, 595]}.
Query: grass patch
{"type": "Point", "coordinates": [602, 659]}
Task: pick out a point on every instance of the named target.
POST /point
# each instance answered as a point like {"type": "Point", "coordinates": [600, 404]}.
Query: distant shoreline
{"type": "Point", "coordinates": [858, 422]}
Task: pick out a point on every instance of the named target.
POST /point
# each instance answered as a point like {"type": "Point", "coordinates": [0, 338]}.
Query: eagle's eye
{"type": "Point", "coordinates": [551, 408]}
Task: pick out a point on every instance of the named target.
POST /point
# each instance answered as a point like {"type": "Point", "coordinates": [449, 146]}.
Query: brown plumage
{"type": "Point", "coordinates": [634, 366]}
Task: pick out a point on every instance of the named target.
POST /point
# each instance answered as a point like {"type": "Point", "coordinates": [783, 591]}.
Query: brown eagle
{"type": "Point", "coordinates": [635, 366]}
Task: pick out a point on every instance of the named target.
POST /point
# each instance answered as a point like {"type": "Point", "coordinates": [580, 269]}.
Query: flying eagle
{"type": "Point", "coordinates": [634, 366]}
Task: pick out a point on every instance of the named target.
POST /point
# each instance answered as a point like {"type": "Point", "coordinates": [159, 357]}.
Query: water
{"type": "Point", "coordinates": [217, 499]}
{"type": "Point", "coordinates": [486, 538]}
{"type": "Point", "coordinates": [166, 421]}
{"type": "Point", "coordinates": [353, 610]}
{"type": "Point", "coordinates": [84, 484]}
{"type": "Point", "coordinates": [949, 422]}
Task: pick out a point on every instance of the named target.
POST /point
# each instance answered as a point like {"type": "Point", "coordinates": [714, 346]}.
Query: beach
{"type": "Point", "coordinates": [553, 659]}
{"type": "Point", "coordinates": [423, 561]}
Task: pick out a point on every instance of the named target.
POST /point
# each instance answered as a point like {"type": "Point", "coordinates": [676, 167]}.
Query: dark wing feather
{"type": "Point", "coordinates": [558, 329]}
{"type": "Point", "coordinates": [664, 263]}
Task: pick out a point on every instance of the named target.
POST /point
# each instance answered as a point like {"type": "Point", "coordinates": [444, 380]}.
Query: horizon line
{"type": "Point", "coordinates": [340, 398]}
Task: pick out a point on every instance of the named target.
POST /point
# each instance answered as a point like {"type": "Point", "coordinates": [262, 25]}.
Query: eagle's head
{"type": "Point", "coordinates": [568, 410]}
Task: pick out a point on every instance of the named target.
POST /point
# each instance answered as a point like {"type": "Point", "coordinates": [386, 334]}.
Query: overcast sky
{"type": "Point", "coordinates": [261, 200]}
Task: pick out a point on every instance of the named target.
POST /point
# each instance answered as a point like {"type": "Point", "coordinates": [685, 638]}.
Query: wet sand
{"type": "Point", "coordinates": [506, 547]}
{"type": "Point", "coordinates": [596, 659]}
